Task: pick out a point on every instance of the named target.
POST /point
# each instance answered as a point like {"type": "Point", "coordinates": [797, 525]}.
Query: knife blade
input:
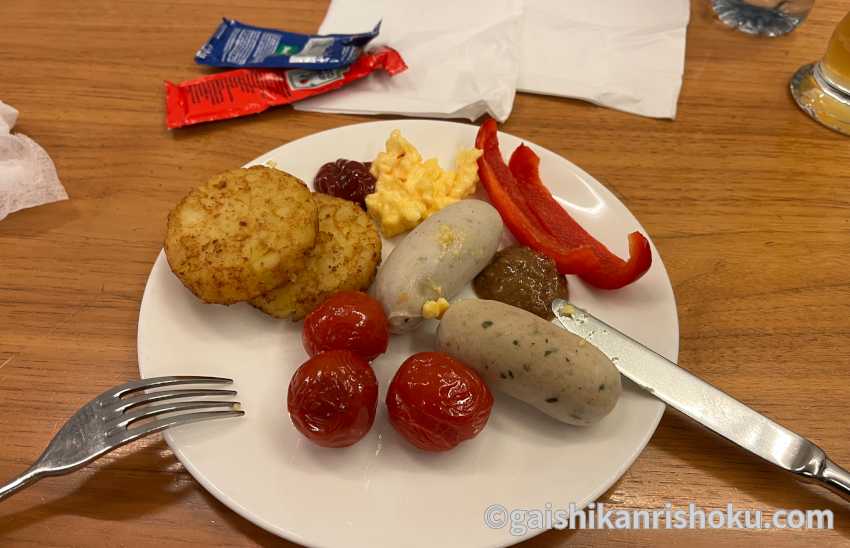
{"type": "Point", "coordinates": [704, 403]}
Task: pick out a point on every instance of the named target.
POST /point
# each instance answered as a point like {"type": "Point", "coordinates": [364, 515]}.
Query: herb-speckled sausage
{"type": "Point", "coordinates": [531, 359]}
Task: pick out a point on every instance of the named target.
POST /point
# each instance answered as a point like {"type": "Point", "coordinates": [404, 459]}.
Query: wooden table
{"type": "Point", "coordinates": [745, 197]}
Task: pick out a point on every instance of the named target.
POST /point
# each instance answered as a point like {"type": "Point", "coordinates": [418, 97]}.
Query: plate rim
{"type": "Point", "coordinates": [289, 535]}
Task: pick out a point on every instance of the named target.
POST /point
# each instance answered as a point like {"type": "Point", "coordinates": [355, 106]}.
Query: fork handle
{"type": "Point", "coordinates": [30, 476]}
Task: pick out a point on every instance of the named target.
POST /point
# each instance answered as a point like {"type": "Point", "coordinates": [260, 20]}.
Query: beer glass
{"type": "Point", "coordinates": [822, 89]}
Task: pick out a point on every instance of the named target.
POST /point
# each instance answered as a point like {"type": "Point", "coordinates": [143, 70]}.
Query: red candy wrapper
{"type": "Point", "coordinates": [248, 91]}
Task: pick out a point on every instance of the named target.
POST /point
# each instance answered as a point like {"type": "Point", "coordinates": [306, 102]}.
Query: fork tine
{"type": "Point", "coordinates": [127, 419]}
{"type": "Point", "coordinates": [133, 434]}
{"type": "Point", "coordinates": [155, 382]}
{"type": "Point", "coordinates": [122, 405]}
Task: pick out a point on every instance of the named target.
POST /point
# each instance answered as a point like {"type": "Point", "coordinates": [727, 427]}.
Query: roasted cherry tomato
{"type": "Point", "coordinates": [349, 320]}
{"type": "Point", "coordinates": [346, 179]}
{"type": "Point", "coordinates": [436, 402]}
{"type": "Point", "coordinates": [332, 398]}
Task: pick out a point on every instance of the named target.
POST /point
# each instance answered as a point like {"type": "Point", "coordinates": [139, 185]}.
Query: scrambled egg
{"type": "Point", "coordinates": [409, 190]}
{"type": "Point", "coordinates": [450, 240]}
{"type": "Point", "coordinates": [434, 309]}
{"type": "Point", "coordinates": [567, 310]}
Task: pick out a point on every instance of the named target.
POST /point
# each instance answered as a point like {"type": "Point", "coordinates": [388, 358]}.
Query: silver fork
{"type": "Point", "coordinates": [107, 422]}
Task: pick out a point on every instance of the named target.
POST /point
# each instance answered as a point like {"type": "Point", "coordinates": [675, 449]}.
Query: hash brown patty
{"type": "Point", "coordinates": [346, 257]}
{"type": "Point", "coordinates": [241, 234]}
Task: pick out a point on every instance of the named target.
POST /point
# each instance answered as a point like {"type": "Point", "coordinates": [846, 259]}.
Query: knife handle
{"type": "Point", "coordinates": [835, 478]}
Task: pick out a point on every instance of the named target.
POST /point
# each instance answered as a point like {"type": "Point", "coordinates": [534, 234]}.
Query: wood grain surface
{"type": "Point", "coordinates": [746, 198]}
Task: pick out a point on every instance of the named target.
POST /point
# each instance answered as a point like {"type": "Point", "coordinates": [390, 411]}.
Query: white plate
{"type": "Point", "coordinates": [382, 491]}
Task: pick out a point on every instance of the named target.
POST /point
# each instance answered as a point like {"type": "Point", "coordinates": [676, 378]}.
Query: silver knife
{"type": "Point", "coordinates": [704, 403]}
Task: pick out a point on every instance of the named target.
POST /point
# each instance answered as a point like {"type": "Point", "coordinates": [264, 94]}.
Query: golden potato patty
{"type": "Point", "coordinates": [241, 234]}
{"type": "Point", "coordinates": [347, 253]}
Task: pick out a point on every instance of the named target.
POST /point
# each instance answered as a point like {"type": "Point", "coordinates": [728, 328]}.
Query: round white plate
{"type": "Point", "coordinates": [382, 491]}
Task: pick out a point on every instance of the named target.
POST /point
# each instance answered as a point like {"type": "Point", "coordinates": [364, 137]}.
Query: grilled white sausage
{"type": "Point", "coordinates": [437, 259]}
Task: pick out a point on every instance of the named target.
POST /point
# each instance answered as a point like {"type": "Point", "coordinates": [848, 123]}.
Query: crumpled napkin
{"type": "Point", "coordinates": [27, 175]}
{"type": "Point", "coordinates": [468, 57]}
{"type": "Point", "coordinates": [462, 58]}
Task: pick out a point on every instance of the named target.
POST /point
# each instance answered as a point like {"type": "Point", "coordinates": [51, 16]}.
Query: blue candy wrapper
{"type": "Point", "coordinates": [236, 44]}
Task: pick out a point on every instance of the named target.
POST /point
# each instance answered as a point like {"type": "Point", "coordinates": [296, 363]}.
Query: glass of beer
{"type": "Point", "coordinates": [822, 89]}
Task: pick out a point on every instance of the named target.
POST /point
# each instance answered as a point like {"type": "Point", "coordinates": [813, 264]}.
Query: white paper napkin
{"type": "Point", "coordinates": [462, 55]}
{"type": "Point", "coordinates": [465, 56]}
{"type": "Point", "coordinates": [27, 174]}
{"type": "Point", "coordinates": [623, 54]}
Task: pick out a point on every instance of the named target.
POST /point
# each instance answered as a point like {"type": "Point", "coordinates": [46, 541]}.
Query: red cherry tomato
{"type": "Point", "coordinates": [436, 402]}
{"type": "Point", "coordinates": [332, 398]}
{"type": "Point", "coordinates": [349, 320]}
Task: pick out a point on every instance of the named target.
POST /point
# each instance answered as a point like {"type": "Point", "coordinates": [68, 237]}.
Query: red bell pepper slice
{"type": "Point", "coordinates": [492, 171]}
{"type": "Point", "coordinates": [548, 221]}
{"type": "Point", "coordinates": [613, 272]}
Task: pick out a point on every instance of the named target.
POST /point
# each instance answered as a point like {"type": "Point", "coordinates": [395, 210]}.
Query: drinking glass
{"type": "Point", "coordinates": [822, 89]}
{"type": "Point", "coordinates": [764, 17]}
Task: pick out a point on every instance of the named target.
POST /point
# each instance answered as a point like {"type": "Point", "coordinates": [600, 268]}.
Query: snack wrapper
{"type": "Point", "coordinates": [241, 92]}
{"type": "Point", "coordinates": [236, 44]}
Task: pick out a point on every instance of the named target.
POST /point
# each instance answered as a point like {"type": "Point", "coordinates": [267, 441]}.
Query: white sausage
{"type": "Point", "coordinates": [437, 259]}
{"type": "Point", "coordinates": [531, 359]}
